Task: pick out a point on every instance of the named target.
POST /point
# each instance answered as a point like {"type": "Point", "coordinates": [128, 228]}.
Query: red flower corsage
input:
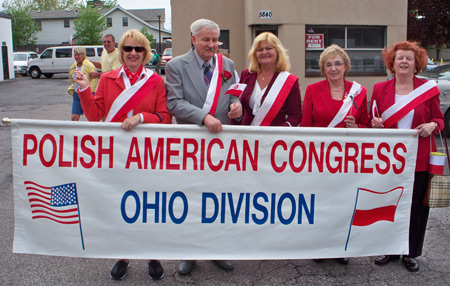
{"type": "Point", "coordinates": [226, 75]}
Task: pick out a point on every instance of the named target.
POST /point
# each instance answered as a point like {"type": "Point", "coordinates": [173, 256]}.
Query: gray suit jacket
{"type": "Point", "coordinates": [186, 90]}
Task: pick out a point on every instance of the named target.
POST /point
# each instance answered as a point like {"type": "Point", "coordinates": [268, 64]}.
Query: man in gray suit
{"type": "Point", "coordinates": [185, 81]}
{"type": "Point", "coordinates": [192, 83]}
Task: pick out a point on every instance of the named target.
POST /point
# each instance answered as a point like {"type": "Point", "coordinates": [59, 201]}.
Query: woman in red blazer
{"type": "Point", "coordinates": [335, 102]}
{"type": "Point", "coordinates": [272, 95]}
{"type": "Point", "coordinates": [132, 95]}
{"type": "Point", "coordinates": [419, 110]}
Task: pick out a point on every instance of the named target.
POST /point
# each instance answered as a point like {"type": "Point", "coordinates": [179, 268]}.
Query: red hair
{"type": "Point", "coordinates": [420, 55]}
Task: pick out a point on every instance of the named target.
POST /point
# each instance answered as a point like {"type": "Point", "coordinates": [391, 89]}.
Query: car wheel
{"type": "Point", "coordinates": [447, 123]}
{"type": "Point", "coordinates": [48, 75]}
{"type": "Point", "coordinates": [35, 72]}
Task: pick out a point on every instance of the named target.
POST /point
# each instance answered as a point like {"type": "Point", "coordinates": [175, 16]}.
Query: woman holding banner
{"type": "Point", "coordinates": [272, 95]}
{"type": "Point", "coordinates": [406, 102]}
{"type": "Point", "coordinates": [132, 95]}
{"type": "Point", "coordinates": [335, 102]}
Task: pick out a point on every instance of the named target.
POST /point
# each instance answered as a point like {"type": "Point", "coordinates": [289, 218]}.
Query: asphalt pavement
{"type": "Point", "coordinates": [48, 99]}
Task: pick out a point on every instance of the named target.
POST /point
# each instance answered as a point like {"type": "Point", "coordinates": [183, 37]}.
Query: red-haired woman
{"type": "Point", "coordinates": [407, 102]}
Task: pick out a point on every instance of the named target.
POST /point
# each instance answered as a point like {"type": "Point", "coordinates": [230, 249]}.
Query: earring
{"type": "Point", "coordinates": [393, 69]}
{"type": "Point", "coordinates": [415, 71]}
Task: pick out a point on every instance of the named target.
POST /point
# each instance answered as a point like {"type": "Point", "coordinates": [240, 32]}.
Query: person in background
{"type": "Point", "coordinates": [399, 103]}
{"type": "Point", "coordinates": [110, 56]}
{"type": "Point", "coordinates": [335, 102]}
{"type": "Point", "coordinates": [87, 68]}
{"type": "Point", "coordinates": [272, 95]}
{"type": "Point", "coordinates": [191, 88]}
{"type": "Point", "coordinates": [116, 101]}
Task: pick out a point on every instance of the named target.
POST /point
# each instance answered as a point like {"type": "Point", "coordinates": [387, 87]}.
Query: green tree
{"type": "Point", "coordinates": [24, 28]}
{"type": "Point", "coordinates": [89, 26]}
{"type": "Point", "coordinates": [42, 5]}
{"type": "Point", "coordinates": [149, 37]}
{"type": "Point", "coordinates": [429, 22]}
{"type": "Point", "coordinates": [105, 4]}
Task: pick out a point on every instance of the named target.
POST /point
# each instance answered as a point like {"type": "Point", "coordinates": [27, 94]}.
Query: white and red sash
{"type": "Point", "coordinates": [409, 102]}
{"type": "Point", "coordinates": [274, 100]}
{"type": "Point", "coordinates": [212, 97]}
{"type": "Point", "coordinates": [351, 99]}
{"type": "Point", "coordinates": [132, 95]}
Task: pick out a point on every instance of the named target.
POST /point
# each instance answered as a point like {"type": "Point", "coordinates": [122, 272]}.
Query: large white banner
{"type": "Point", "coordinates": [177, 192]}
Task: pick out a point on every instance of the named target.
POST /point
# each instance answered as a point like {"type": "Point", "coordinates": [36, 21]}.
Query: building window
{"type": "Point", "coordinates": [261, 29]}
{"type": "Point", "coordinates": [109, 22]}
{"type": "Point", "coordinates": [66, 23]}
{"type": "Point", "coordinates": [125, 21]}
{"type": "Point", "coordinates": [39, 24]}
{"type": "Point", "coordinates": [224, 39]}
{"type": "Point", "coordinates": [362, 43]}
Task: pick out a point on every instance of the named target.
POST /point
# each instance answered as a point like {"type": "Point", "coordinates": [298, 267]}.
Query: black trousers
{"type": "Point", "coordinates": [419, 214]}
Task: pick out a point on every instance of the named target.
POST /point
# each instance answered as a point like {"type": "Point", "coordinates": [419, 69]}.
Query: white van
{"type": "Point", "coordinates": [58, 60]}
{"type": "Point", "coordinates": [21, 60]}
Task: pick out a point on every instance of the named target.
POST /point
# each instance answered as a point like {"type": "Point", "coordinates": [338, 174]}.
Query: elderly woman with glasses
{"type": "Point", "coordinates": [132, 95]}
{"type": "Point", "coordinates": [335, 102]}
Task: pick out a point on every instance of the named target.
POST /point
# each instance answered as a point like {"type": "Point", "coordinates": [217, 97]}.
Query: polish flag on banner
{"type": "Point", "coordinates": [236, 89]}
{"type": "Point", "coordinates": [372, 206]}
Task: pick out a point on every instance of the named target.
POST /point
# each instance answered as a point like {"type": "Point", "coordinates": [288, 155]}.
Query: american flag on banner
{"type": "Point", "coordinates": [58, 203]}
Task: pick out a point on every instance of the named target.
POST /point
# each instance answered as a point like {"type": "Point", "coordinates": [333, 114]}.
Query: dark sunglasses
{"type": "Point", "coordinates": [138, 49]}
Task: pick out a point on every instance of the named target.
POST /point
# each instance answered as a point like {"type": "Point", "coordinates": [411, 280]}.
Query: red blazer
{"type": "Point", "coordinates": [319, 108]}
{"type": "Point", "coordinates": [291, 111]}
{"type": "Point", "coordinates": [429, 111]}
{"type": "Point", "coordinates": [153, 106]}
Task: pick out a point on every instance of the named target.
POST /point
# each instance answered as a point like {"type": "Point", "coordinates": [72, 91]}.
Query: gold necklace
{"type": "Point", "coordinates": [334, 92]}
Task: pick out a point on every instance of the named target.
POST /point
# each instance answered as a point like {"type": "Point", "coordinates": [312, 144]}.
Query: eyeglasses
{"type": "Point", "coordinates": [138, 49]}
{"type": "Point", "coordinates": [336, 64]}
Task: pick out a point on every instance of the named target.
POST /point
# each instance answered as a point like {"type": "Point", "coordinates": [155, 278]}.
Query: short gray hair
{"type": "Point", "coordinates": [200, 23]}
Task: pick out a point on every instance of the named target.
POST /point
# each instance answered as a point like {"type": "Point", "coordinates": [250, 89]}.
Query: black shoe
{"type": "Point", "coordinates": [385, 259]}
{"type": "Point", "coordinates": [185, 266]}
{"type": "Point", "coordinates": [410, 264]}
{"type": "Point", "coordinates": [343, 261]}
{"type": "Point", "coordinates": [224, 264]}
{"type": "Point", "coordinates": [155, 270]}
{"type": "Point", "coordinates": [318, 260]}
{"type": "Point", "coordinates": [119, 270]}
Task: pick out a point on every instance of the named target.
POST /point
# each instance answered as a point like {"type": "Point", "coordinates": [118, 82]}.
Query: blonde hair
{"type": "Point", "coordinates": [331, 52]}
{"type": "Point", "coordinates": [283, 63]}
{"type": "Point", "coordinates": [80, 51]}
{"type": "Point", "coordinates": [141, 39]}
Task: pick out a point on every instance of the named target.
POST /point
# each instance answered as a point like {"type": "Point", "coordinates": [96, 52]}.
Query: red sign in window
{"type": "Point", "coordinates": [314, 41]}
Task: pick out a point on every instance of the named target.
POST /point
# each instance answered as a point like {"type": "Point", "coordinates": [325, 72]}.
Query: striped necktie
{"type": "Point", "coordinates": [207, 74]}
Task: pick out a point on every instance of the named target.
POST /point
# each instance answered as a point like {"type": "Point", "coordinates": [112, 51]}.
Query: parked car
{"type": "Point", "coordinates": [166, 56]}
{"type": "Point", "coordinates": [21, 61]}
{"type": "Point", "coordinates": [430, 64]}
{"type": "Point", "coordinates": [441, 74]}
{"type": "Point", "coordinates": [58, 60]}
